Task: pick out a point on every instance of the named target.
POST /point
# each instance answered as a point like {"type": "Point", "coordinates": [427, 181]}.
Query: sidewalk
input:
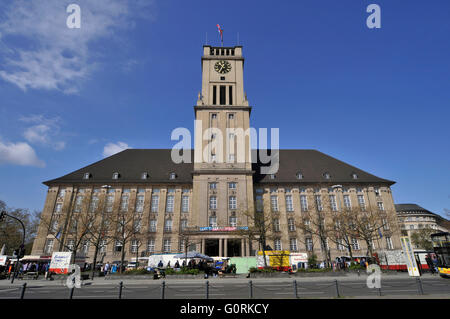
{"type": "Point", "coordinates": [101, 281]}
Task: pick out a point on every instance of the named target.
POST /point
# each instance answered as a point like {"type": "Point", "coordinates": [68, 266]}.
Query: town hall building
{"type": "Point", "coordinates": [207, 204]}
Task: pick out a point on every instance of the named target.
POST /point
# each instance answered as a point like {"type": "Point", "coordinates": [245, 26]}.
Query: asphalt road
{"type": "Point", "coordinates": [230, 289]}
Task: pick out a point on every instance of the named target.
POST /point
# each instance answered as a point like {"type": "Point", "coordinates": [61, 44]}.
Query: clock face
{"type": "Point", "coordinates": [222, 67]}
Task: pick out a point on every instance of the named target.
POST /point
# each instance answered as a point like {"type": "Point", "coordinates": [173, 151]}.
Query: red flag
{"type": "Point", "coordinates": [221, 33]}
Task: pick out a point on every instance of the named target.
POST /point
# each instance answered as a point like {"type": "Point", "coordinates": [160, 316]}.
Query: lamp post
{"type": "Point", "coordinates": [339, 197]}
{"type": "Point", "coordinates": [20, 251]}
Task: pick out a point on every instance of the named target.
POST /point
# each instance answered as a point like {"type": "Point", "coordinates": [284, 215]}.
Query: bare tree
{"type": "Point", "coordinates": [71, 230]}
{"type": "Point", "coordinates": [260, 229]}
{"type": "Point", "coordinates": [125, 228]}
{"type": "Point", "coordinates": [422, 238]}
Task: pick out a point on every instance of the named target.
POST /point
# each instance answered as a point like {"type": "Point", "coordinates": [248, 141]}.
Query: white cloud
{"type": "Point", "coordinates": [19, 154]}
{"type": "Point", "coordinates": [111, 148]}
{"type": "Point", "coordinates": [39, 51]}
{"type": "Point", "coordinates": [44, 131]}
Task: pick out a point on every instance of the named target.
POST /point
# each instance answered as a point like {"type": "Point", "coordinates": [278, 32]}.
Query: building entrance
{"type": "Point", "coordinates": [234, 248]}
{"type": "Point", "coordinates": [212, 247]}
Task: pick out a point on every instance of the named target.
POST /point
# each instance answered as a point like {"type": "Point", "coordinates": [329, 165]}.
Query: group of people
{"type": "Point", "coordinates": [40, 268]}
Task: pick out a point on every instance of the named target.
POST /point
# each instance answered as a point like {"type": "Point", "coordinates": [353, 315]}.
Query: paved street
{"type": "Point", "coordinates": [394, 286]}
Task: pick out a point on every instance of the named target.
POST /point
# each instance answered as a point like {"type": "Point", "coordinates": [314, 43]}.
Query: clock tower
{"type": "Point", "coordinates": [223, 176]}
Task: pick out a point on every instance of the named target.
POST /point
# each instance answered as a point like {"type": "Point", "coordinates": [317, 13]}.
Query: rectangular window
{"type": "Point", "coordinates": [339, 245]}
{"type": "Point", "coordinates": [170, 203]}
{"type": "Point", "coordinates": [277, 244]}
{"type": "Point", "coordinates": [212, 221]}
{"type": "Point", "coordinates": [152, 226]}
{"type": "Point", "coordinates": [214, 95]}
{"type": "Point", "coordinates": [231, 95]}
{"type": "Point", "coordinates": [276, 225]}
{"type": "Point", "coordinates": [109, 203]}
{"type": "Point", "coordinates": [291, 224]}
{"type": "Point", "coordinates": [303, 203]}
{"type": "Point", "coordinates": [167, 245]}
{"type": "Point", "coordinates": [212, 185]}
{"type": "Point", "coordinates": [361, 202]}
{"type": "Point", "coordinates": [347, 202]}
{"type": "Point", "coordinates": [333, 203]}
{"type": "Point", "coordinates": [319, 203]}
{"type": "Point", "coordinates": [185, 204]}
{"type": "Point", "coordinates": [58, 208]}
{"type": "Point", "coordinates": [78, 204]}
{"type": "Point", "coordinates": [380, 205]}
{"type": "Point", "coordinates": [213, 202]}
{"type": "Point", "coordinates": [289, 204]}
{"type": "Point", "coordinates": [151, 245]}
{"type": "Point", "coordinates": [222, 94]}
{"type": "Point", "coordinates": [355, 244]}
{"type": "Point", "coordinates": [232, 185]}
{"type": "Point", "coordinates": [137, 225]}
{"type": "Point", "coordinates": [233, 221]}
{"type": "Point", "coordinates": [293, 244]}
{"type": "Point", "coordinates": [61, 193]}
{"type": "Point", "coordinates": [103, 246]}
{"type": "Point", "coordinates": [232, 203]}
{"type": "Point", "coordinates": [168, 225]}
{"type": "Point", "coordinates": [184, 224]}
{"type": "Point", "coordinates": [118, 246]}
{"type": "Point", "coordinates": [274, 203]}
{"type": "Point", "coordinates": [309, 244]}
{"type": "Point", "coordinates": [140, 203]}
{"type": "Point", "coordinates": [70, 244]}
{"type": "Point", "coordinates": [124, 203]}
{"type": "Point", "coordinates": [155, 203]}
{"type": "Point", "coordinates": [134, 246]}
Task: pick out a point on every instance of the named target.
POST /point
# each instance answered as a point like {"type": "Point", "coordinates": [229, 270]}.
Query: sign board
{"type": "Point", "coordinates": [274, 258]}
{"type": "Point", "coordinates": [3, 259]}
{"type": "Point", "coordinates": [60, 262]}
{"type": "Point", "coordinates": [298, 258]}
{"type": "Point", "coordinates": [411, 263]}
{"type": "Point", "coordinates": [223, 229]}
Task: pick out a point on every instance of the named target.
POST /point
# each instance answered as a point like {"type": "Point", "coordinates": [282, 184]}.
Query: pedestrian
{"type": "Point", "coordinates": [47, 267]}
{"type": "Point", "coordinates": [106, 268]}
{"type": "Point", "coordinates": [160, 264]}
{"type": "Point", "coordinates": [177, 264]}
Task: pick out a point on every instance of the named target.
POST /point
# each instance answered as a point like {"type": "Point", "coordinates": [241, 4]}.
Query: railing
{"type": "Point", "coordinates": [294, 289]}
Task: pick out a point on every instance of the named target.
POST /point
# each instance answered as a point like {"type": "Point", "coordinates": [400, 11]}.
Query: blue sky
{"type": "Point", "coordinates": [375, 98]}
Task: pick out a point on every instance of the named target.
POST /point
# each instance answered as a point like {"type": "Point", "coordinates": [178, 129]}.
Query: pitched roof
{"type": "Point", "coordinates": [131, 163]}
{"type": "Point", "coordinates": [313, 165]}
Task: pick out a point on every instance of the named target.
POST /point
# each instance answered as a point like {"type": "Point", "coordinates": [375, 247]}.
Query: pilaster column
{"type": "Point", "coordinates": [220, 247]}
{"type": "Point", "coordinates": [225, 247]}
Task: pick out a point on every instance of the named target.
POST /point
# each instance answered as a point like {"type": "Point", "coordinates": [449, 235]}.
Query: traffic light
{"type": "Point", "coordinates": [21, 251]}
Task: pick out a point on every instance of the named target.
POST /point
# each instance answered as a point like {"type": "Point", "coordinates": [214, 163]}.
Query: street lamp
{"type": "Point", "coordinates": [21, 250]}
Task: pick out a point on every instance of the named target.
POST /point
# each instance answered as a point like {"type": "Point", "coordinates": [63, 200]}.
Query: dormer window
{"type": "Point", "coordinates": [299, 175]}
{"type": "Point", "coordinates": [326, 175]}
{"type": "Point", "coordinates": [354, 176]}
{"type": "Point", "coordinates": [87, 175]}
{"type": "Point", "coordinates": [144, 175]}
{"type": "Point", "coordinates": [172, 176]}
{"type": "Point", "coordinates": [115, 175]}
{"type": "Point", "coordinates": [272, 176]}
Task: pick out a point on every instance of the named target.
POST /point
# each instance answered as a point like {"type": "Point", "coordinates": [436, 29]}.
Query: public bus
{"type": "Point", "coordinates": [441, 246]}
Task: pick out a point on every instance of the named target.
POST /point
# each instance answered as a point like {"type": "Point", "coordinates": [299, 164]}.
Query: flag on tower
{"type": "Point", "coordinates": [221, 33]}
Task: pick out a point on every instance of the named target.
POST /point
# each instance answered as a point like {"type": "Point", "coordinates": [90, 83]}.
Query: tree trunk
{"type": "Point", "coordinates": [94, 262]}
{"type": "Point", "coordinates": [122, 259]}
